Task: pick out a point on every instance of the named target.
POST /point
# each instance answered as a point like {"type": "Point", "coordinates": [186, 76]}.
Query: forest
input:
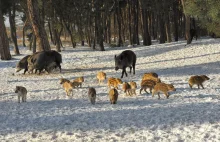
{"type": "Point", "coordinates": [97, 22]}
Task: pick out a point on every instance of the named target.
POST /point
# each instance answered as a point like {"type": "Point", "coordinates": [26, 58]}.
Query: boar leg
{"type": "Point", "coordinates": [133, 68]}
{"type": "Point", "coordinates": [130, 69]}
{"type": "Point", "coordinates": [123, 71]}
{"type": "Point", "coordinates": [18, 98]}
{"type": "Point", "coordinates": [40, 70]}
{"type": "Point", "coordinates": [145, 89]}
{"type": "Point", "coordinates": [167, 95]}
{"type": "Point", "coordinates": [59, 66]}
{"type": "Point", "coordinates": [25, 70]}
{"type": "Point", "coordinates": [141, 90]}
{"type": "Point", "coordinates": [202, 86]}
{"type": "Point", "coordinates": [158, 95]}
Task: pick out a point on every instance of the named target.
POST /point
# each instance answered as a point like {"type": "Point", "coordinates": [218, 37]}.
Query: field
{"type": "Point", "coordinates": [49, 115]}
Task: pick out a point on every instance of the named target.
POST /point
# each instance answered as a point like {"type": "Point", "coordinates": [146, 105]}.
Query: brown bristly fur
{"type": "Point", "coordinates": [114, 82]}
{"type": "Point", "coordinates": [62, 80]}
{"type": "Point", "coordinates": [151, 76]}
{"type": "Point", "coordinates": [79, 80]}
{"type": "Point", "coordinates": [22, 92]}
{"type": "Point", "coordinates": [198, 80]}
{"type": "Point", "coordinates": [145, 84]}
{"type": "Point", "coordinates": [162, 87]}
{"type": "Point", "coordinates": [113, 96]}
{"type": "Point", "coordinates": [133, 85]}
{"type": "Point", "coordinates": [125, 87]}
{"type": "Point", "coordinates": [101, 76]}
{"type": "Point", "coordinates": [67, 85]}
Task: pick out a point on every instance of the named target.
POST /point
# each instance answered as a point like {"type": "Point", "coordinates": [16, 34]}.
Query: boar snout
{"type": "Point", "coordinates": [116, 68]}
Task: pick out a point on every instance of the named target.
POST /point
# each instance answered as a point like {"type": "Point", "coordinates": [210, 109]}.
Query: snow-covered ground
{"type": "Point", "coordinates": [48, 115]}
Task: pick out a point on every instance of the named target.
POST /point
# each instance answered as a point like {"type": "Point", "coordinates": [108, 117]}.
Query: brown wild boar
{"type": "Point", "coordinates": [164, 88]}
{"type": "Point", "coordinates": [22, 92]}
{"type": "Point", "coordinates": [198, 80]}
{"type": "Point", "coordinates": [126, 87]}
{"type": "Point", "coordinates": [101, 76]}
{"type": "Point", "coordinates": [67, 85]}
{"type": "Point", "coordinates": [114, 82]}
{"type": "Point", "coordinates": [92, 95]}
{"type": "Point", "coordinates": [145, 84]}
{"type": "Point", "coordinates": [151, 76]}
{"type": "Point", "coordinates": [113, 96]}
{"type": "Point", "coordinates": [79, 80]}
{"type": "Point", "coordinates": [133, 88]}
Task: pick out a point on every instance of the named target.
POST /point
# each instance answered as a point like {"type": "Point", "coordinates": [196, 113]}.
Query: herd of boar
{"type": "Point", "coordinates": [44, 60]}
{"type": "Point", "coordinates": [48, 60]}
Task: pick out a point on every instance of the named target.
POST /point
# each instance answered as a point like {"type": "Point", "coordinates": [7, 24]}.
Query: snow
{"type": "Point", "coordinates": [48, 115]}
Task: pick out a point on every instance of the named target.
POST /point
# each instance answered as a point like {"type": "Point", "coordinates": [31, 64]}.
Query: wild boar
{"type": "Point", "coordinates": [126, 87]}
{"type": "Point", "coordinates": [42, 60]}
{"type": "Point", "coordinates": [151, 76]}
{"type": "Point", "coordinates": [198, 80]}
{"type": "Point", "coordinates": [145, 84]}
{"type": "Point", "coordinates": [79, 80]}
{"type": "Point", "coordinates": [164, 88]}
{"type": "Point", "coordinates": [126, 59]}
{"type": "Point", "coordinates": [113, 96]}
{"type": "Point", "coordinates": [92, 95]}
{"type": "Point", "coordinates": [23, 64]}
{"type": "Point", "coordinates": [101, 76]}
{"type": "Point", "coordinates": [114, 82]}
{"type": "Point", "coordinates": [193, 33]}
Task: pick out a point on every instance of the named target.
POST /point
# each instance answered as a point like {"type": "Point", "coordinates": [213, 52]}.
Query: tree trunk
{"type": "Point", "coordinates": [109, 29]}
{"type": "Point", "coordinates": [137, 22]}
{"type": "Point", "coordinates": [55, 32]}
{"type": "Point", "coordinates": [134, 22]}
{"type": "Point", "coordinates": [4, 44]}
{"type": "Point", "coordinates": [162, 29]}
{"type": "Point", "coordinates": [34, 43]}
{"type": "Point", "coordinates": [187, 24]}
{"type": "Point", "coordinates": [129, 23]}
{"type": "Point", "coordinates": [175, 20]}
{"type": "Point", "coordinates": [13, 29]}
{"type": "Point", "coordinates": [50, 31]}
{"type": "Point", "coordinates": [167, 25]}
{"type": "Point", "coordinates": [118, 12]}
{"type": "Point", "coordinates": [37, 25]}
{"type": "Point", "coordinates": [146, 35]}
{"type": "Point", "coordinates": [23, 31]}
{"type": "Point", "coordinates": [70, 34]}
{"type": "Point", "coordinates": [187, 30]}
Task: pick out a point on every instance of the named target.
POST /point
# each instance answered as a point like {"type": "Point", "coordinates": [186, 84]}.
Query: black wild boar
{"type": "Point", "coordinates": [44, 60]}
{"type": "Point", "coordinates": [23, 64]}
{"type": "Point", "coordinates": [57, 57]}
{"type": "Point", "coordinates": [126, 59]}
{"type": "Point", "coordinates": [193, 33]}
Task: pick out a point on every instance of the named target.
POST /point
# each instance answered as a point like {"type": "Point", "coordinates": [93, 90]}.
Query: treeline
{"type": "Point", "coordinates": [96, 22]}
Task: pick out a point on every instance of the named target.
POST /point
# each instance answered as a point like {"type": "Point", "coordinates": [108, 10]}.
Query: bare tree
{"type": "Point", "coordinates": [13, 28]}
{"type": "Point", "coordinates": [4, 44]}
{"type": "Point", "coordinates": [187, 23]}
{"type": "Point", "coordinates": [37, 25]}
